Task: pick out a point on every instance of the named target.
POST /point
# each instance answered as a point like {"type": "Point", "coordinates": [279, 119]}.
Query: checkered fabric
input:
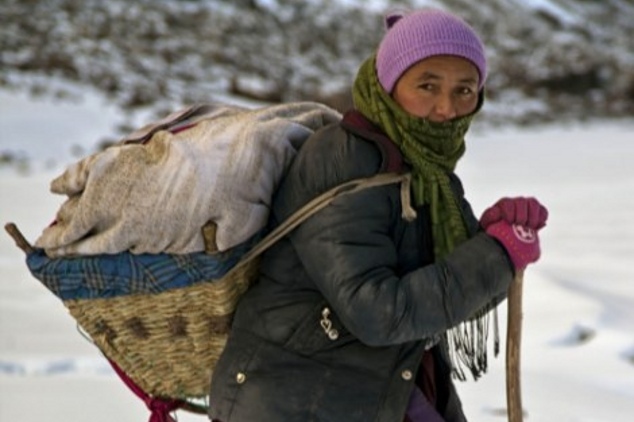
{"type": "Point", "coordinates": [103, 276]}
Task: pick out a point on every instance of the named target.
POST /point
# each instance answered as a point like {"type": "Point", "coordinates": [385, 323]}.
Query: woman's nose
{"type": "Point", "coordinates": [444, 109]}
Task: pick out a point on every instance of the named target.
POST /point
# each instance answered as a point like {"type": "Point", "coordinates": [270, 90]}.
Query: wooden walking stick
{"type": "Point", "coordinates": [513, 343]}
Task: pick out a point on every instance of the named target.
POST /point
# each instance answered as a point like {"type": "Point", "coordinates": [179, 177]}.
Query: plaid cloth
{"type": "Point", "coordinates": [103, 276]}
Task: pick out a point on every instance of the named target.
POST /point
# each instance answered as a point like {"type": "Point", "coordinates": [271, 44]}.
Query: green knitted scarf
{"type": "Point", "coordinates": [432, 148]}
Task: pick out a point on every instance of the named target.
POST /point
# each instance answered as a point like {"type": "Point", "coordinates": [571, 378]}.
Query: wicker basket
{"type": "Point", "coordinates": [168, 342]}
{"type": "Point", "coordinates": [165, 348]}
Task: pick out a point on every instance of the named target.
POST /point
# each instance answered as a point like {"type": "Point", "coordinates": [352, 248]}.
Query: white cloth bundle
{"type": "Point", "coordinates": [156, 197]}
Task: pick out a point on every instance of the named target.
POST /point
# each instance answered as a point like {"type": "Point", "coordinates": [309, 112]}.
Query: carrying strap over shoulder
{"type": "Point", "coordinates": [325, 199]}
{"type": "Point", "coordinates": [393, 170]}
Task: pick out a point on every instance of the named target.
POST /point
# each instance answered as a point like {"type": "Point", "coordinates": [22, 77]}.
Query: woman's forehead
{"type": "Point", "coordinates": [438, 67]}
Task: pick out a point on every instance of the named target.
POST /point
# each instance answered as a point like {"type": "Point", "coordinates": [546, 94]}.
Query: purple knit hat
{"type": "Point", "coordinates": [422, 34]}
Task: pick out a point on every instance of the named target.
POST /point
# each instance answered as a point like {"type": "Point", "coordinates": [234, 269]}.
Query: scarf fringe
{"type": "Point", "coordinates": [468, 341]}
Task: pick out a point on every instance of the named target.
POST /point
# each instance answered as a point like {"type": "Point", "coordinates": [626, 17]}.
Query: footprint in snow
{"type": "Point", "coordinates": [577, 336]}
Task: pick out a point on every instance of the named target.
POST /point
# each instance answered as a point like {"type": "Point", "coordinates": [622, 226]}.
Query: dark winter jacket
{"type": "Point", "coordinates": [346, 305]}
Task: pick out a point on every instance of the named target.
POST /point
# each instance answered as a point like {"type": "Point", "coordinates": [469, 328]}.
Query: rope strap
{"type": "Point", "coordinates": [160, 409]}
{"type": "Point", "coordinates": [325, 199]}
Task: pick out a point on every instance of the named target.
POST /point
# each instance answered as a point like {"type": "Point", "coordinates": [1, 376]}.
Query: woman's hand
{"type": "Point", "coordinates": [515, 223]}
{"type": "Point", "coordinates": [527, 212]}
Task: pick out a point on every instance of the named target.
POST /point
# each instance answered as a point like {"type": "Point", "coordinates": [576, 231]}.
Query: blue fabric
{"type": "Point", "coordinates": [103, 276]}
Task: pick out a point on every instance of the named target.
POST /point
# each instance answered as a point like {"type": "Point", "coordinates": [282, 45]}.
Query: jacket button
{"type": "Point", "coordinates": [406, 375]}
{"type": "Point", "coordinates": [241, 378]}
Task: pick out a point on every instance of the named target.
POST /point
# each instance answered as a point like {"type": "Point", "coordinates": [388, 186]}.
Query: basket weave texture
{"type": "Point", "coordinates": [168, 342]}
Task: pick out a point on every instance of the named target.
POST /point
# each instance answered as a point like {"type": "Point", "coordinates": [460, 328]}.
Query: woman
{"type": "Point", "coordinates": [356, 313]}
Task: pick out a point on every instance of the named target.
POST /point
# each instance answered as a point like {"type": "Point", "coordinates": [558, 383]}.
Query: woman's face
{"type": "Point", "coordinates": [438, 88]}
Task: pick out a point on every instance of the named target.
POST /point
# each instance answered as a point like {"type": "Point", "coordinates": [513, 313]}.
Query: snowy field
{"type": "Point", "coordinates": [578, 342]}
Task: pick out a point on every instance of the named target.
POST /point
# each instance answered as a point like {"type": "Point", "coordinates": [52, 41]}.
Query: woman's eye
{"type": "Point", "coordinates": [465, 91]}
{"type": "Point", "coordinates": [427, 87]}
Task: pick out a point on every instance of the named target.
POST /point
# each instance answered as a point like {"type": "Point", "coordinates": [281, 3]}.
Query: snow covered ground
{"type": "Point", "coordinates": [578, 343]}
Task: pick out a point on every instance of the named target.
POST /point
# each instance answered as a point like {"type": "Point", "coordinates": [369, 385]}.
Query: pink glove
{"type": "Point", "coordinates": [527, 212]}
{"type": "Point", "coordinates": [521, 243]}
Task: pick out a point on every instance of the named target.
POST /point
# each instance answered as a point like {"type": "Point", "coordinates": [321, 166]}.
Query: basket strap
{"type": "Point", "coordinates": [325, 199]}
{"type": "Point", "coordinates": [160, 408]}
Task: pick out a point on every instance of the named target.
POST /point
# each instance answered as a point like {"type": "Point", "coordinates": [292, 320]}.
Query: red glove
{"type": "Point", "coordinates": [527, 212]}
{"type": "Point", "coordinates": [521, 243]}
